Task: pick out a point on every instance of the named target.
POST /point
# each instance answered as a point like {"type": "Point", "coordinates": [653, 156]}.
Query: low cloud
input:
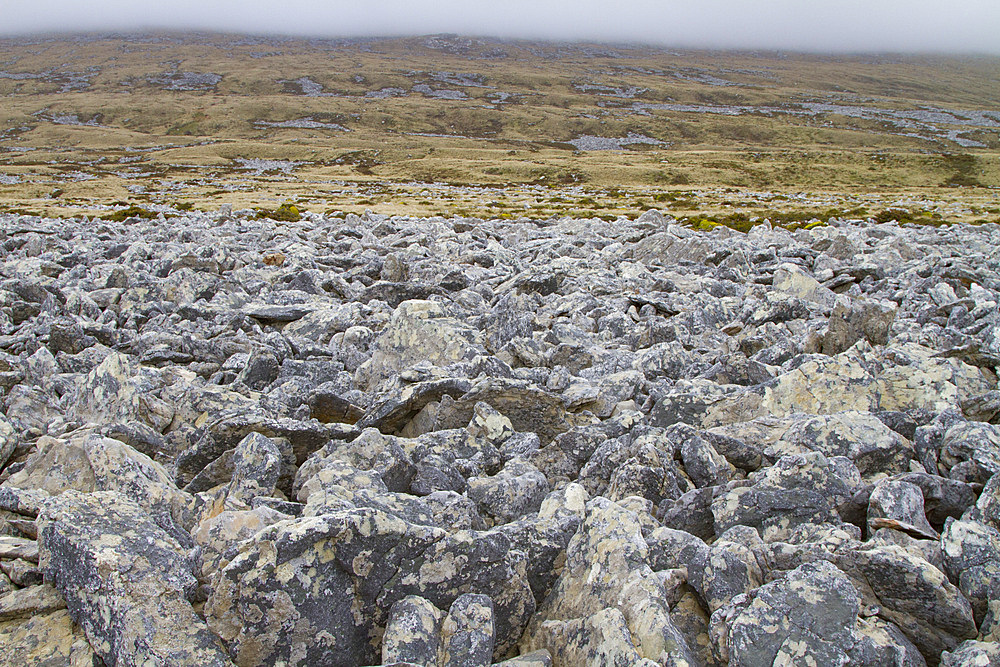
{"type": "Point", "coordinates": [961, 26]}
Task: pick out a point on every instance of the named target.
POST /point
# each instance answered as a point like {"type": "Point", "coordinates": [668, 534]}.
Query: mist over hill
{"type": "Point", "coordinates": [919, 26]}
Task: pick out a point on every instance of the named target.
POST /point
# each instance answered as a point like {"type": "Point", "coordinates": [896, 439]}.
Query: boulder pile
{"type": "Point", "coordinates": [367, 440]}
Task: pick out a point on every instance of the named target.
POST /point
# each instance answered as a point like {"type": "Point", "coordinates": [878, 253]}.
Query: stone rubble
{"type": "Point", "coordinates": [368, 440]}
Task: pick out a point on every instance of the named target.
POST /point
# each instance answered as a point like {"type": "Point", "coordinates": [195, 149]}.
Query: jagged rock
{"type": "Point", "coordinates": [900, 506]}
{"type": "Point", "coordinates": [529, 408]}
{"type": "Point", "coordinates": [217, 534]}
{"type": "Point", "coordinates": [94, 463]}
{"type": "Point", "coordinates": [417, 331]}
{"type": "Point", "coordinates": [635, 427]}
{"type": "Point", "coordinates": [972, 557]}
{"type": "Point", "coordinates": [125, 581]}
{"type": "Point", "coordinates": [30, 601]}
{"type": "Point", "coordinates": [544, 538]}
{"type": "Point", "coordinates": [972, 653]}
{"type": "Point", "coordinates": [331, 559]}
{"type": "Point", "coordinates": [854, 320]}
{"type": "Point", "coordinates": [413, 633]}
{"type": "Point", "coordinates": [970, 451]}
{"type": "Point", "coordinates": [276, 313]}
{"type": "Point", "coordinates": [47, 640]}
{"type": "Point", "coordinates": [118, 389]}
{"type": "Point", "coordinates": [8, 441]}
{"type": "Point", "coordinates": [793, 281]}
{"type": "Point", "coordinates": [802, 488]}
{"type": "Point", "coordinates": [602, 638]}
{"type": "Point", "coordinates": [810, 616]}
{"type": "Point", "coordinates": [467, 632]}
{"type": "Point", "coordinates": [256, 467]}
{"type": "Point", "coordinates": [540, 658]}
{"type": "Point", "coordinates": [844, 382]}
{"type": "Point", "coordinates": [608, 604]}
{"type": "Point", "coordinates": [917, 378]}
{"type": "Point", "coordinates": [519, 488]}
{"type": "Point", "coordinates": [914, 595]}
{"type": "Point", "coordinates": [861, 437]}
{"type": "Point", "coordinates": [902, 587]}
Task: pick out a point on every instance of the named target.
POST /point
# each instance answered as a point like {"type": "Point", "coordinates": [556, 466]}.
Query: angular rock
{"type": "Point", "coordinates": [343, 571]}
{"type": "Point", "coordinates": [810, 616]}
{"type": "Point", "coordinates": [804, 488]}
{"type": "Point", "coordinates": [46, 640]}
{"type": "Point", "coordinates": [851, 321]}
{"type": "Point", "coordinates": [861, 437]}
{"type": "Point", "coordinates": [519, 488]}
{"type": "Point", "coordinates": [467, 632]}
{"type": "Point", "coordinates": [413, 633]}
{"type": "Point", "coordinates": [900, 506]}
{"type": "Point", "coordinates": [125, 581]}
{"type": "Point", "coordinates": [608, 604]}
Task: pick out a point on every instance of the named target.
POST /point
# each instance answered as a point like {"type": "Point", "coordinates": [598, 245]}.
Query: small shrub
{"type": "Point", "coordinates": [284, 213]}
{"type": "Point", "coordinates": [132, 211]}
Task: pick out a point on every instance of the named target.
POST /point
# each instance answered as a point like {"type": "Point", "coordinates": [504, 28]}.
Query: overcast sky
{"type": "Point", "coordinates": [813, 25]}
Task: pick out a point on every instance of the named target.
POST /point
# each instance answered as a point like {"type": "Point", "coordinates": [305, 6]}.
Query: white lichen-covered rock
{"type": "Point", "coordinates": [418, 331]}
{"type": "Point", "coordinates": [319, 589]}
{"type": "Point", "coordinates": [972, 557]}
{"type": "Point", "coordinates": [608, 603]}
{"type": "Point", "coordinates": [914, 377]}
{"type": "Point", "coordinates": [125, 581]}
{"type": "Point", "coordinates": [809, 616]}
{"type": "Point", "coordinates": [860, 436]}
{"type": "Point", "coordinates": [825, 385]}
{"type": "Point", "coordinates": [798, 489]}
{"type": "Point", "coordinates": [517, 489]}
{"type": "Point", "coordinates": [413, 632]}
{"type": "Point", "coordinates": [89, 462]}
{"type": "Point", "coordinates": [119, 389]}
{"type": "Point", "coordinates": [792, 280]}
{"type": "Point", "coordinates": [45, 639]}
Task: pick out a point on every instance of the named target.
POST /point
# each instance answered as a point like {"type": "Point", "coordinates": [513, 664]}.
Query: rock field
{"type": "Point", "coordinates": [399, 441]}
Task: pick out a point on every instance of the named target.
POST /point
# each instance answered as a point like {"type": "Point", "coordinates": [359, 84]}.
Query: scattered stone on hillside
{"type": "Point", "coordinates": [228, 439]}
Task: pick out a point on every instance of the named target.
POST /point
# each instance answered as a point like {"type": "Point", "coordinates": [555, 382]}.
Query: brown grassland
{"type": "Point", "coordinates": [445, 125]}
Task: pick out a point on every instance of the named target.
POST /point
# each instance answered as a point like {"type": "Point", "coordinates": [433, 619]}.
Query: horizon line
{"type": "Point", "coordinates": [153, 30]}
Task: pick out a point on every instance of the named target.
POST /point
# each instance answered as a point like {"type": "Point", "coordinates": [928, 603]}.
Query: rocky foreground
{"type": "Point", "coordinates": [387, 441]}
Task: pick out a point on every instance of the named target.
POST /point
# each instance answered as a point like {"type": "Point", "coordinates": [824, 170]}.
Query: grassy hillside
{"type": "Point", "coordinates": [445, 125]}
